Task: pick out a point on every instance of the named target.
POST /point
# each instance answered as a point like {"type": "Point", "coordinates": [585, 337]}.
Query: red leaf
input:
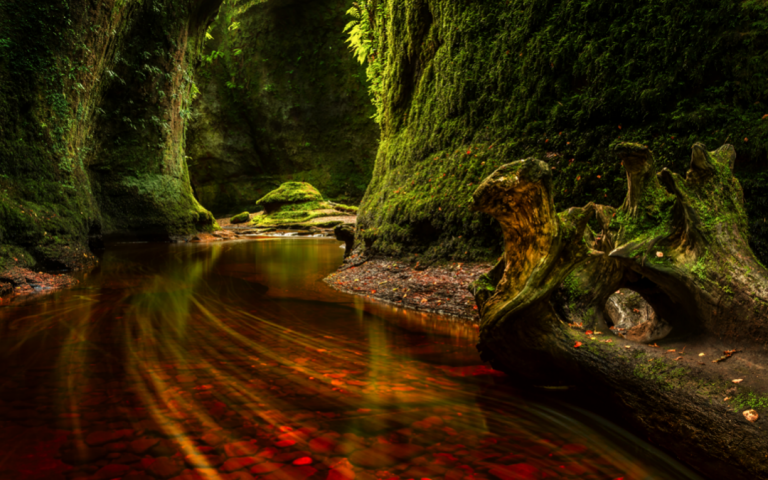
{"type": "Point", "coordinates": [589, 332]}
{"type": "Point", "coordinates": [577, 345]}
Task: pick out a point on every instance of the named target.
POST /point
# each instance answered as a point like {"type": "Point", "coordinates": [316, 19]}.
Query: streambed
{"type": "Point", "coordinates": [235, 361]}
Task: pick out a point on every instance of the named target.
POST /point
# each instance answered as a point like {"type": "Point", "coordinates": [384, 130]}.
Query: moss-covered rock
{"type": "Point", "coordinates": [296, 203]}
{"type": "Point", "coordinates": [290, 193]}
{"type": "Point", "coordinates": [280, 99]}
{"type": "Point", "coordinates": [466, 87]}
{"type": "Point", "coordinates": [240, 218]}
{"type": "Point", "coordinates": [94, 99]}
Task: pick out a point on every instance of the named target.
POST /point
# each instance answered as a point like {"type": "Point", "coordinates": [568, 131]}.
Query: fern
{"type": "Point", "coordinates": [365, 34]}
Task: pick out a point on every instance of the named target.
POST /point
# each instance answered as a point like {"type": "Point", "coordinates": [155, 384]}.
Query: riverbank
{"type": "Point", "coordinates": [440, 289]}
{"type": "Point", "coordinates": [23, 282]}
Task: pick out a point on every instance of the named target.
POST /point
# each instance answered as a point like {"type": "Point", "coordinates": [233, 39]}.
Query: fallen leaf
{"type": "Point", "coordinates": [678, 358]}
{"type": "Point", "coordinates": [654, 345]}
{"type": "Point", "coordinates": [726, 399]}
{"type": "Point", "coordinates": [671, 350]}
{"type": "Point", "coordinates": [751, 415]}
{"type": "Point", "coordinates": [577, 345]}
{"type": "Point", "coordinates": [738, 380]}
{"type": "Point", "coordinates": [609, 341]}
{"type": "Point", "coordinates": [627, 346]}
{"type": "Point", "coordinates": [701, 354]}
{"type": "Point", "coordinates": [588, 332]}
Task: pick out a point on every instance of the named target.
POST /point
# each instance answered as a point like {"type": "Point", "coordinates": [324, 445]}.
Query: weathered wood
{"type": "Point", "coordinates": [678, 242]}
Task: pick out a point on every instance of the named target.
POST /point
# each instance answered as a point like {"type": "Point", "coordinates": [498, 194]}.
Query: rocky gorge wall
{"type": "Point", "coordinates": [281, 98]}
{"type": "Point", "coordinates": [94, 99]}
{"type": "Point", "coordinates": [463, 87]}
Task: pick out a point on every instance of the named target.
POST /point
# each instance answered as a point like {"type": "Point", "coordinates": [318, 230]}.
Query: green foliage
{"type": "Point", "coordinates": [291, 192]}
{"type": "Point", "coordinates": [750, 400]}
{"type": "Point", "coordinates": [365, 33]}
{"type": "Point", "coordinates": [293, 106]}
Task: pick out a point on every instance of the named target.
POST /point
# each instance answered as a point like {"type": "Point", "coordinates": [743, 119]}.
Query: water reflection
{"type": "Point", "coordinates": [234, 361]}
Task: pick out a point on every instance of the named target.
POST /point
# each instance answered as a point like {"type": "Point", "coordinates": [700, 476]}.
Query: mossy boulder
{"type": "Point", "coordinates": [240, 218]}
{"type": "Point", "coordinates": [289, 193]}
{"type": "Point", "coordinates": [295, 203]}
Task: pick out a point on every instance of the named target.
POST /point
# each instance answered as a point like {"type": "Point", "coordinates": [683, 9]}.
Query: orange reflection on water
{"type": "Point", "coordinates": [235, 361]}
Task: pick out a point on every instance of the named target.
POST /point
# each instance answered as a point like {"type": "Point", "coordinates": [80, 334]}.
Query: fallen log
{"type": "Point", "coordinates": [680, 243]}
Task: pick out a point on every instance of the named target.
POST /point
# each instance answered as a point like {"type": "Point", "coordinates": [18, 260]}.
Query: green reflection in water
{"type": "Point", "coordinates": [244, 341]}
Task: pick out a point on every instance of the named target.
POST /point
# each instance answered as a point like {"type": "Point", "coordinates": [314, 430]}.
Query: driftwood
{"type": "Point", "coordinates": [678, 242]}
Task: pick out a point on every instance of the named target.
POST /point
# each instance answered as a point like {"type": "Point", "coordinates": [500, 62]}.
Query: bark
{"type": "Point", "coordinates": [679, 242]}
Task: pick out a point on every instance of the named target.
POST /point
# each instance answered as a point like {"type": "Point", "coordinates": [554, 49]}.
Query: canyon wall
{"type": "Point", "coordinates": [94, 99]}
{"type": "Point", "coordinates": [465, 87]}
{"type": "Point", "coordinates": [280, 98]}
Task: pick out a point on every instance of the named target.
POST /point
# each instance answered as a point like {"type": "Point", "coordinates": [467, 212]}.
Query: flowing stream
{"type": "Point", "coordinates": [235, 361]}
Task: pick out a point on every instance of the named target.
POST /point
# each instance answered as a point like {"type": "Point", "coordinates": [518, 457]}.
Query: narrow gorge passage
{"type": "Point", "coordinates": [235, 361]}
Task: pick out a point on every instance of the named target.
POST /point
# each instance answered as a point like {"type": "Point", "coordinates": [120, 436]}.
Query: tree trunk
{"type": "Point", "coordinates": [678, 242]}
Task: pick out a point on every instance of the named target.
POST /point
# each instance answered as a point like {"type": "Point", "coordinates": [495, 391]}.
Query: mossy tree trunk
{"type": "Point", "coordinates": [680, 242]}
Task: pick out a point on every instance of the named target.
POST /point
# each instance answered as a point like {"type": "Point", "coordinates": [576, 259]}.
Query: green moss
{"type": "Point", "coordinates": [561, 81]}
{"type": "Point", "coordinates": [329, 224]}
{"type": "Point", "coordinates": [92, 125]}
{"type": "Point", "coordinates": [750, 400]}
{"type": "Point", "coordinates": [291, 192]}
{"type": "Point", "coordinates": [240, 218]}
{"type": "Point", "coordinates": [296, 203]}
{"type": "Point", "coordinates": [662, 372]}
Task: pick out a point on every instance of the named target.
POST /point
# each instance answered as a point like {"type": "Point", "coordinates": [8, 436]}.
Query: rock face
{"type": "Point", "coordinates": [679, 242]}
{"type": "Point", "coordinates": [281, 98]}
{"type": "Point", "coordinates": [465, 87]}
{"type": "Point", "coordinates": [94, 99]}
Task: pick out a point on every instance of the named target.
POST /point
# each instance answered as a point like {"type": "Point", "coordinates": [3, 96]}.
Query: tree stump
{"type": "Point", "coordinates": [679, 242]}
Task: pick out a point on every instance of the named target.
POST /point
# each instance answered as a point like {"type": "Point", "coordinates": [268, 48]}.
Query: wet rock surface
{"type": "Point", "coordinates": [22, 282]}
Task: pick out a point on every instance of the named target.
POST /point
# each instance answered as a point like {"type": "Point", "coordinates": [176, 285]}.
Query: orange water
{"type": "Point", "coordinates": [234, 361]}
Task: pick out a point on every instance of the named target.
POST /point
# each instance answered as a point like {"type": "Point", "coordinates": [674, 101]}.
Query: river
{"type": "Point", "coordinates": [235, 361]}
